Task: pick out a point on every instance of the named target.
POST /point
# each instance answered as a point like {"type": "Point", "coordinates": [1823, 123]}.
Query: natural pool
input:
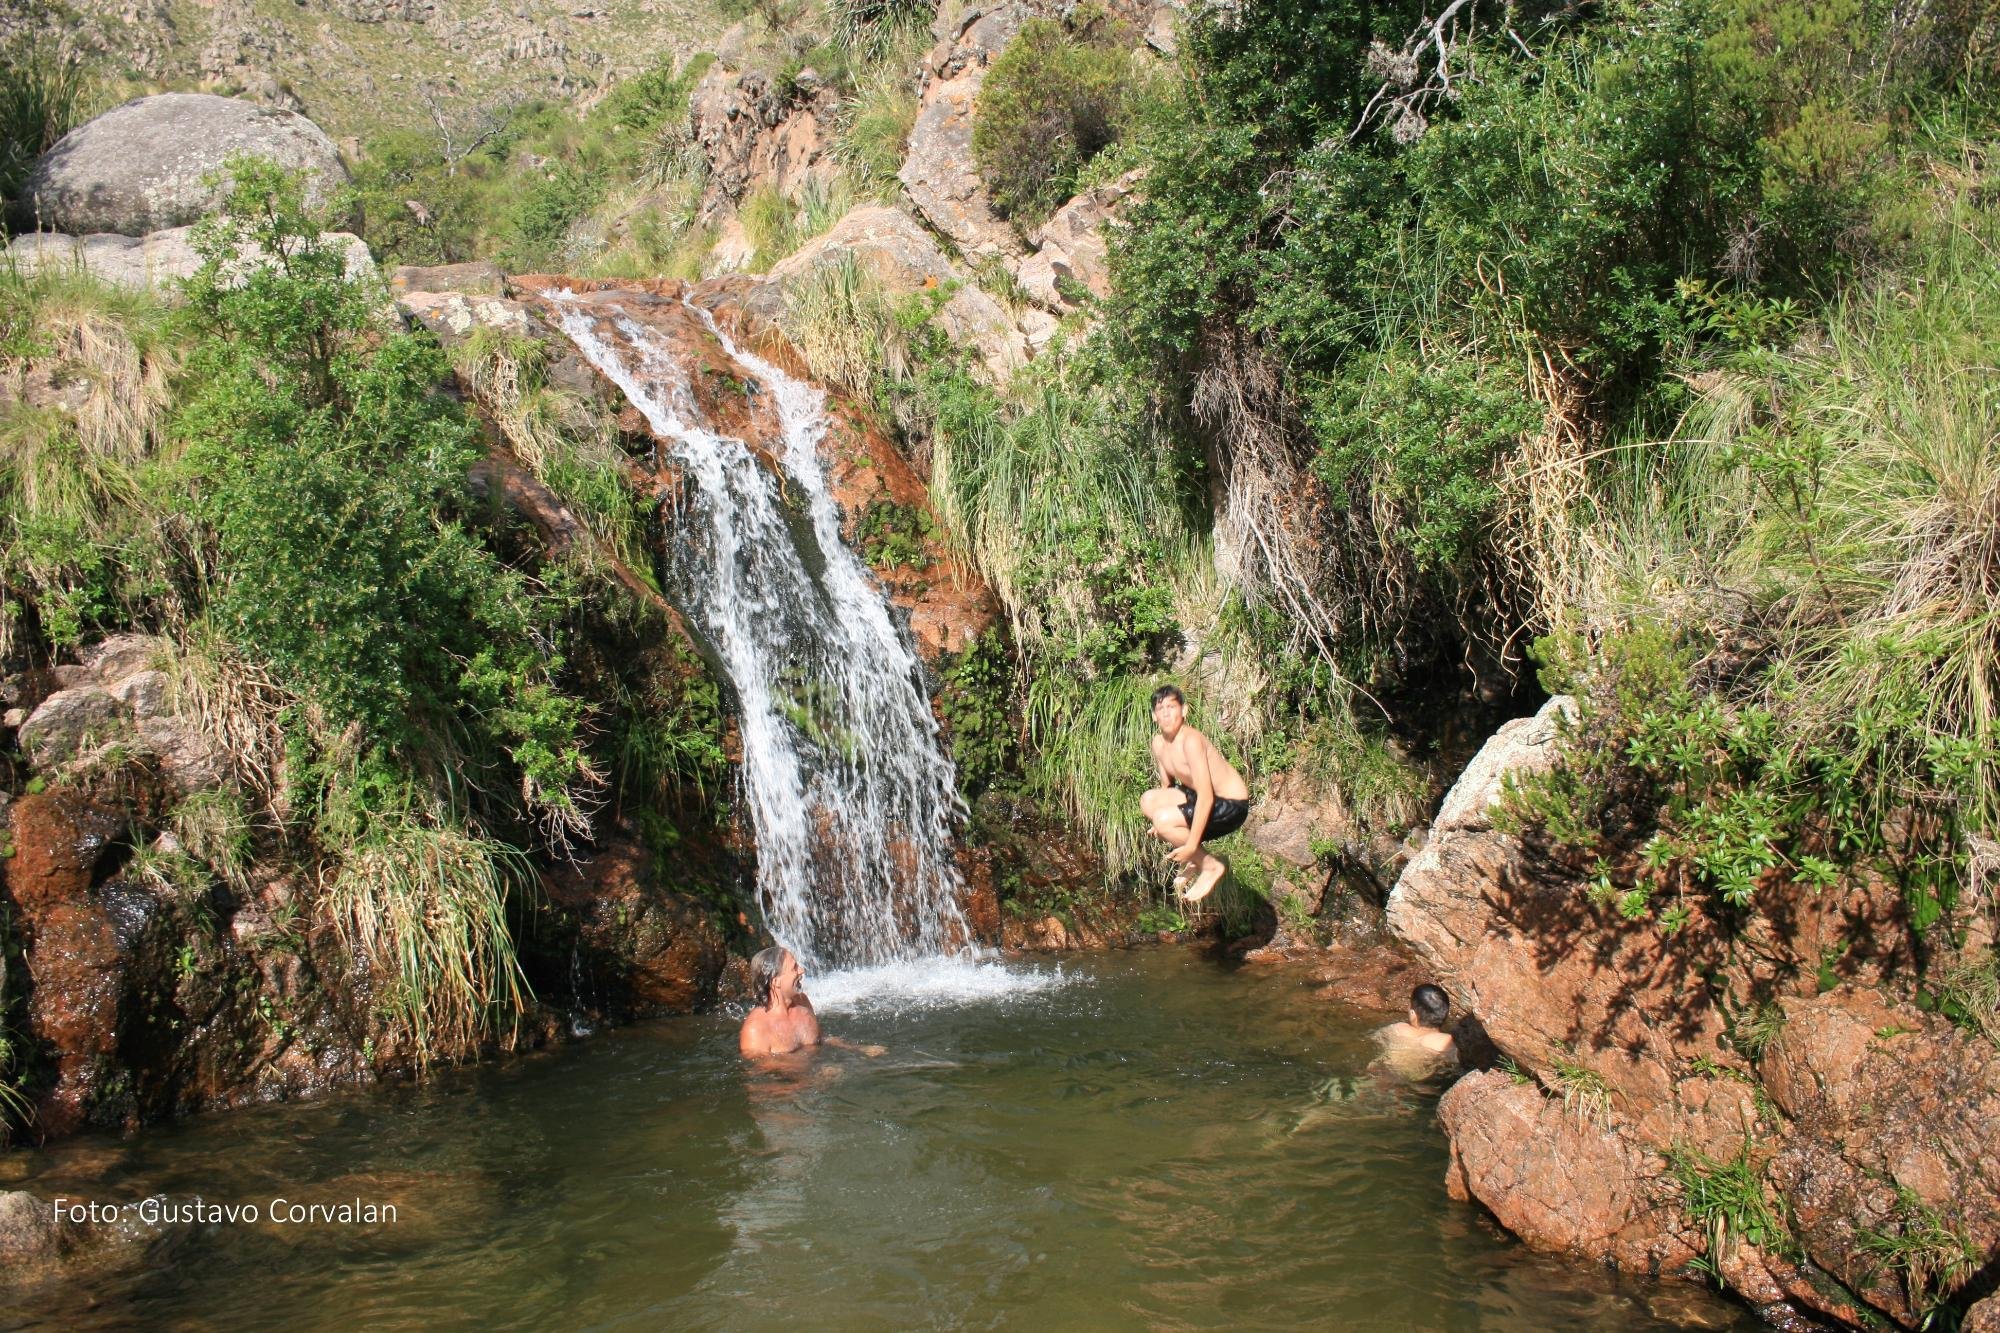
{"type": "Point", "coordinates": [1150, 1143]}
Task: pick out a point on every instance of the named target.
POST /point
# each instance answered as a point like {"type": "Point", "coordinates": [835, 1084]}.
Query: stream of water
{"type": "Point", "coordinates": [1142, 1140]}
{"type": "Point", "coordinates": [850, 792]}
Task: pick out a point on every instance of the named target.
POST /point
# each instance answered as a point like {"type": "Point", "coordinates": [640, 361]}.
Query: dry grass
{"type": "Point", "coordinates": [844, 324]}
{"type": "Point", "coordinates": [236, 705]}
{"type": "Point", "coordinates": [425, 902]}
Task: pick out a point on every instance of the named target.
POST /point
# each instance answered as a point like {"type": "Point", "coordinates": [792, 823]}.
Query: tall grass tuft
{"type": "Point", "coordinates": [844, 325]}
{"type": "Point", "coordinates": [777, 223]}
{"type": "Point", "coordinates": [86, 376]}
{"type": "Point", "coordinates": [45, 92]}
{"type": "Point", "coordinates": [424, 900]}
{"type": "Point", "coordinates": [874, 131]}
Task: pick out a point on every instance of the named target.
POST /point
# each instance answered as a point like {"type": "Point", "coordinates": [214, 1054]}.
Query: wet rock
{"type": "Point", "coordinates": [1560, 1181]}
{"type": "Point", "coordinates": [1892, 1111]}
{"type": "Point", "coordinates": [938, 171]}
{"type": "Point", "coordinates": [148, 165]}
{"type": "Point", "coordinates": [642, 947]}
{"type": "Point", "coordinates": [30, 1234]}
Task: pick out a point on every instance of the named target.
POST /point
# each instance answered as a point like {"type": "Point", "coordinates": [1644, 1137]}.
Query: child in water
{"type": "Point", "coordinates": [1421, 1049]}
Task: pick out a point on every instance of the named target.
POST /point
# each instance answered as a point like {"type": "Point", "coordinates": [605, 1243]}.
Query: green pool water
{"type": "Point", "coordinates": [1155, 1142]}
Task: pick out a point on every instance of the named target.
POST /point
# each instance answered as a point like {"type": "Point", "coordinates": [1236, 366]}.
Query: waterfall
{"type": "Point", "coordinates": [850, 792]}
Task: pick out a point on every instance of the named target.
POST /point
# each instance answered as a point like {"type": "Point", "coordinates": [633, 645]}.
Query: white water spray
{"type": "Point", "coordinates": [851, 795]}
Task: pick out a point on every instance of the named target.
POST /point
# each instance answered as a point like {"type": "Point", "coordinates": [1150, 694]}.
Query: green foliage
{"type": "Point", "coordinates": [894, 536]}
{"type": "Point", "coordinates": [1849, 728]}
{"type": "Point", "coordinates": [976, 703]}
{"type": "Point", "coordinates": [46, 86]}
{"type": "Point", "coordinates": [1052, 101]}
{"type": "Point", "coordinates": [1424, 433]}
{"type": "Point", "coordinates": [1729, 1202]}
{"type": "Point", "coordinates": [1929, 1257]}
{"type": "Point", "coordinates": [331, 472]}
{"type": "Point", "coordinates": [1161, 917]}
{"type": "Point", "coordinates": [517, 181]}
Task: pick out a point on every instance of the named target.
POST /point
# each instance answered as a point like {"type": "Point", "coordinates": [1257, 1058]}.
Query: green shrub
{"type": "Point", "coordinates": [1051, 102]}
{"type": "Point", "coordinates": [329, 469]}
{"type": "Point", "coordinates": [977, 706]}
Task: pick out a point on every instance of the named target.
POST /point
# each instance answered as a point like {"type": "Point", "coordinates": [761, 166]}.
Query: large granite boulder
{"type": "Point", "coordinates": [938, 170]}
{"type": "Point", "coordinates": [1071, 262]}
{"type": "Point", "coordinates": [147, 166]}
{"type": "Point", "coordinates": [1871, 1128]}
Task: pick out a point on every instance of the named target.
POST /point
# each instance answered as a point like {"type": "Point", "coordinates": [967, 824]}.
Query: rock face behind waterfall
{"type": "Point", "coordinates": [775, 493]}
{"type": "Point", "coordinates": [1869, 1118]}
{"type": "Point", "coordinates": [947, 605]}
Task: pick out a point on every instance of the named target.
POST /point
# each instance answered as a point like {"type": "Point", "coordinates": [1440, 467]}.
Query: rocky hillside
{"type": "Point", "coordinates": [358, 67]}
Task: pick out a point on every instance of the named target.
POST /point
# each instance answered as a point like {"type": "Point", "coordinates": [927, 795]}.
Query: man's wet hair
{"type": "Point", "coordinates": [763, 971]}
{"type": "Point", "coordinates": [1431, 1004]}
{"type": "Point", "coordinates": [1167, 692]}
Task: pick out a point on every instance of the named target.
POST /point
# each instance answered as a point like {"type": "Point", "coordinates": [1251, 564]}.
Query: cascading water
{"type": "Point", "coordinates": [850, 793]}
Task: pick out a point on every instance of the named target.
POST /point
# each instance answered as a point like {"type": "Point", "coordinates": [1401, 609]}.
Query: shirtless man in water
{"type": "Point", "coordinates": [1200, 796]}
{"type": "Point", "coordinates": [783, 1020]}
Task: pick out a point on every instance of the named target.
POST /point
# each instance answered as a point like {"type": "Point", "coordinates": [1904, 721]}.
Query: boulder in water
{"type": "Point", "coordinates": [149, 165]}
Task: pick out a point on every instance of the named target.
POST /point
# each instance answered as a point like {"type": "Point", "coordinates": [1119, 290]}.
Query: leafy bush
{"type": "Point", "coordinates": [1052, 101]}
{"type": "Point", "coordinates": [977, 706]}
{"type": "Point", "coordinates": [331, 472]}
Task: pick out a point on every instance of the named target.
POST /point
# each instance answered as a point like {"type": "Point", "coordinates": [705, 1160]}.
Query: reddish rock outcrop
{"type": "Point", "coordinates": [641, 947]}
{"type": "Point", "coordinates": [1559, 1179]}
{"type": "Point", "coordinates": [1873, 1127]}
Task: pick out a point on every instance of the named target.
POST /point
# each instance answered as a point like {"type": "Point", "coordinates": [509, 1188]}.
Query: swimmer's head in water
{"type": "Point", "coordinates": [764, 969]}
{"type": "Point", "coordinates": [1430, 1005]}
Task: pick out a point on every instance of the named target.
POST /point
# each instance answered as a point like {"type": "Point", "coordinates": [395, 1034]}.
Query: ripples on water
{"type": "Point", "coordinates": [1135, 1141]}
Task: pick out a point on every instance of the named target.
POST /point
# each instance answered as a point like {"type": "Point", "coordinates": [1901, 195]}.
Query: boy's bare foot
{"type": "Point", "coordinates": [1211, 875]}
